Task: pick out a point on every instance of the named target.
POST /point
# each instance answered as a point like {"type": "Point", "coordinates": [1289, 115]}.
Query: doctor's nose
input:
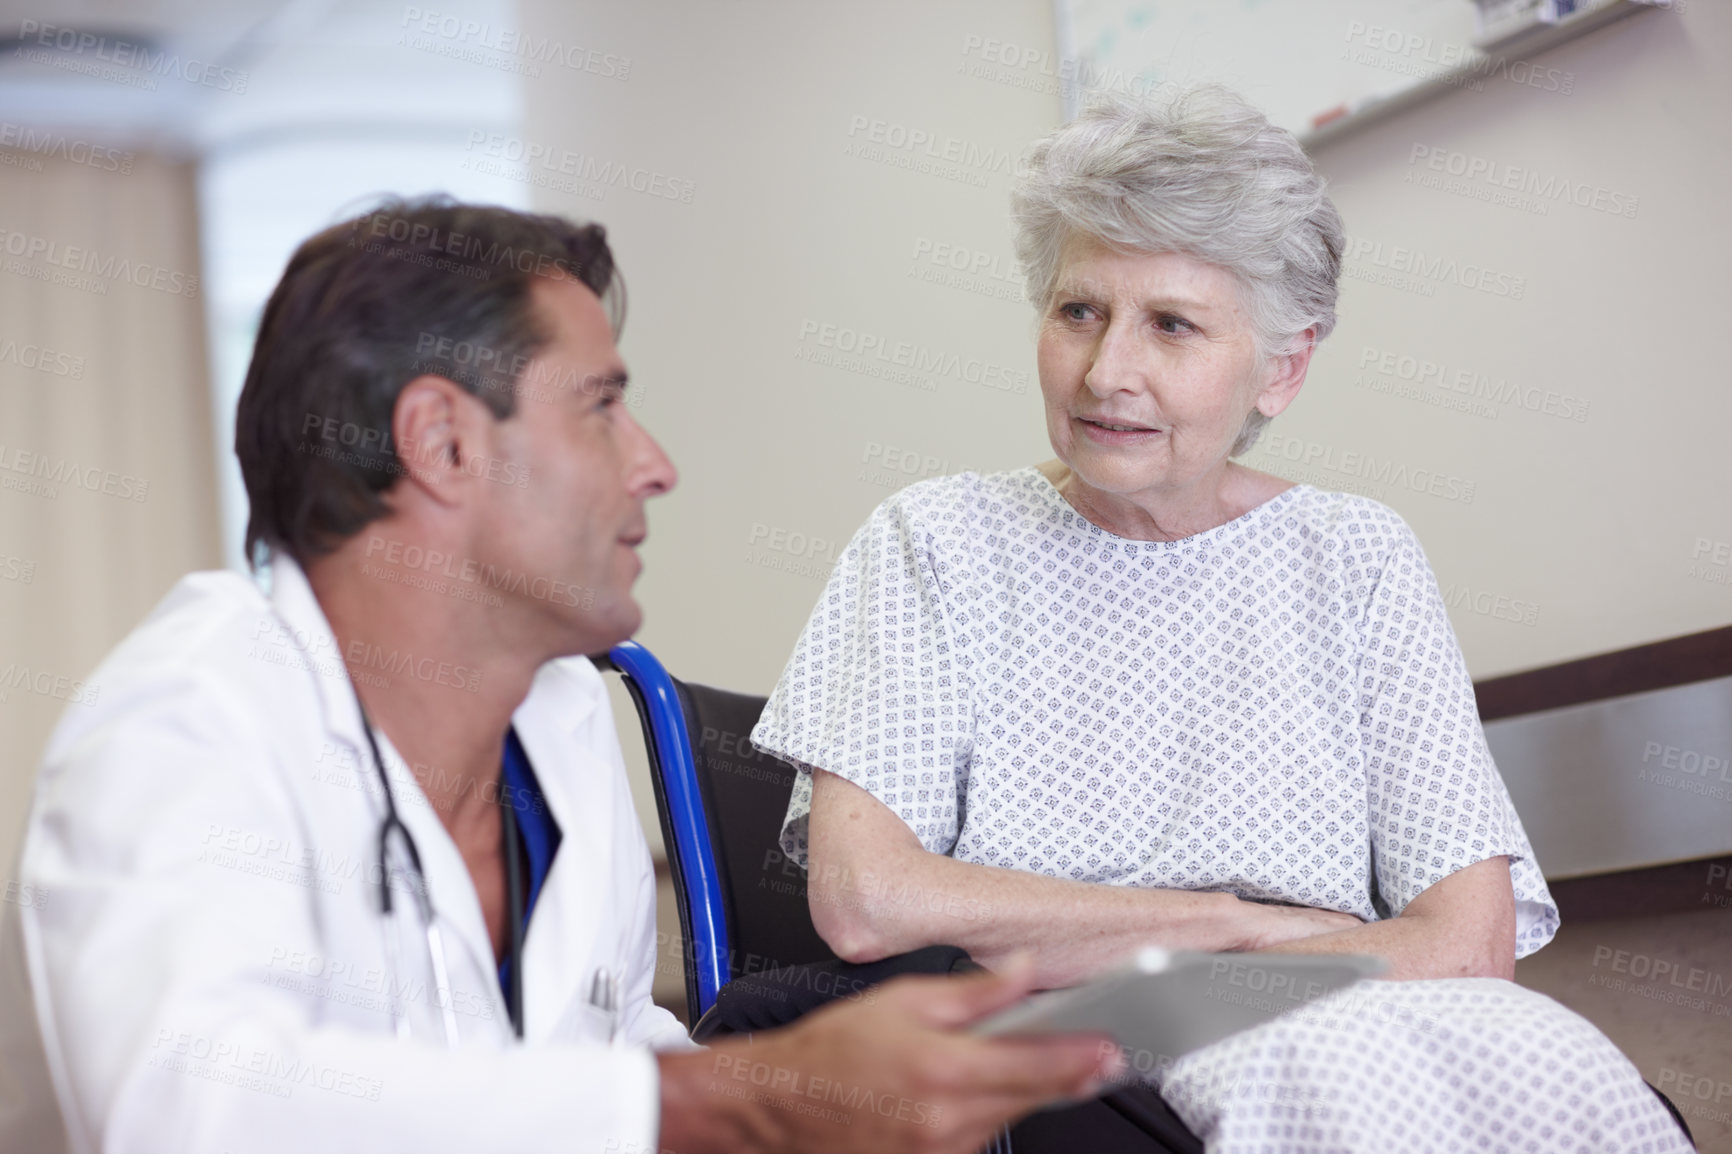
{"type": "Point", "coordinates": [649, 471]}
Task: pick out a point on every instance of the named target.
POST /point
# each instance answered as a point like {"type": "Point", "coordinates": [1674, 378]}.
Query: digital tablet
{"type": "Point", "coordinates": [1162, 1004]}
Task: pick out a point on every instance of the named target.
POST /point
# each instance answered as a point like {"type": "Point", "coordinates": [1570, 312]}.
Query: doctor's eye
{"type": "Point", "coordinates": [607, 393]}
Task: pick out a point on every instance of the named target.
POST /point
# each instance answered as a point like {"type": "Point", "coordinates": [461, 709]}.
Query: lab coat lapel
{"type": "Point", "coordinates": [559, 953]}
{"type": "Point", "coordinates": [292, 597]}
{"type": "Point", "coordinates": [455, 901]}
{"type": "Point", "coordinates": [456, 905]}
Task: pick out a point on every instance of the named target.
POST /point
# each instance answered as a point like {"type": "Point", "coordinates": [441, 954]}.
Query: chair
{"type": "Point", "coordinates": [742, 905]}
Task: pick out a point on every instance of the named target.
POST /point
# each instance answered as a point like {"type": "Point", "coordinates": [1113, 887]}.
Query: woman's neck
{"type": "Point", "coordinates": [1160, 515]}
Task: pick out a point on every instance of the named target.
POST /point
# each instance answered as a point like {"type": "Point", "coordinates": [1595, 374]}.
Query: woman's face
{"type": "Point", "coordinates": [1148, 368]}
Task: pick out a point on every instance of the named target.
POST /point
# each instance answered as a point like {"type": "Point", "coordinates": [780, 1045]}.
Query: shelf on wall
{"type": "Point", "coordinates": [1529, 41]}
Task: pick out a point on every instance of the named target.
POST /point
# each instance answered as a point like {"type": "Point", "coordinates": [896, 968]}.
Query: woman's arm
{"type": "Point", "coordinates": [1461, 927]}
{"type": "Point", "coordinates": [875, 891]}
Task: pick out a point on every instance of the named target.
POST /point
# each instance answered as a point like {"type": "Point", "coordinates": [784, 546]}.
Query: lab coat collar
{"type": "Point", "coordinates": [292, 596]}
{"type": "Point", "coordinates": [562, 697]}
{"type": "Point", "coordinates": [565, 695]}
{"type": "Point", "coordinates": [455, 902]}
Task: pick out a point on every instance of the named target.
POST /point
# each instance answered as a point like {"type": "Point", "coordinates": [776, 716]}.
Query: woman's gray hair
{"type": "Point", "coordinates": [1205, 175]}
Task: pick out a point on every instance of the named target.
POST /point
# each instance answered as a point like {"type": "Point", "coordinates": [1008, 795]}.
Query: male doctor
{"type": "Point", "coordinates": [350, 864]}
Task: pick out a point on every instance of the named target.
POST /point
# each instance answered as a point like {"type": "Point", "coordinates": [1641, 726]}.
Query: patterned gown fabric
{"type": "Point", "coordinates": [1276, 708]}
{"type": "Point", "coordinates": [1436, 1067]}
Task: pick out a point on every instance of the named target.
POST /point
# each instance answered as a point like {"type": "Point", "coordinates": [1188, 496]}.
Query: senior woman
{"type": "Point", "coordinates": [1143, 693]}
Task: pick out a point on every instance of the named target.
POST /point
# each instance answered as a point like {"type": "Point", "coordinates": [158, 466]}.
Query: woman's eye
{"type": "Point", "coordinates": [1171, 324]}
{"type": "Point", "coordinates": [1074, 311]}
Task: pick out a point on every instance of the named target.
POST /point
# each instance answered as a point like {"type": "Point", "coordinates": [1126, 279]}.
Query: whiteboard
{"type": "Point", "coordinates": [1296, 60]}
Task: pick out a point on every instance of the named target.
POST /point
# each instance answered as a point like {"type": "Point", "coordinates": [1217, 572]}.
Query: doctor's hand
{"type": "Point", "coordinates": [889, 1071]}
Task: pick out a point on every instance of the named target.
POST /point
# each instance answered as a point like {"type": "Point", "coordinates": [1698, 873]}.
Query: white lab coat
{"type": "Point", "coordinates": [193, 958]}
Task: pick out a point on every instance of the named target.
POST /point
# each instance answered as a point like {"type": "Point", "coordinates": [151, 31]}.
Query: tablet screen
{"type": "Point", "coordinates": [1162, 1004]}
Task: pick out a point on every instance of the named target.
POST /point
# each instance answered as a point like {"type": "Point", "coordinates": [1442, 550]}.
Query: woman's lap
{"type": "Point", "coordinates": [1466, 1064]}
{"type": "Point", "coordinates": [1451, 1065]}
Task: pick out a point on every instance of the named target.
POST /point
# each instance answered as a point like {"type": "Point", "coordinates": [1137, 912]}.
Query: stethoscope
{"type": "Point", "coordinates": [393, 824]}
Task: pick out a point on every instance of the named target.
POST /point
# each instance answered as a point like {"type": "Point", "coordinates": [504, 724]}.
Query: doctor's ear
{"type": "Point", "coordinates": [438, 427]}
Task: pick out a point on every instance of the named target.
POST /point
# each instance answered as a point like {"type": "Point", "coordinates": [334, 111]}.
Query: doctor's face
{"type": "Point", "coordinates": [573, 529]}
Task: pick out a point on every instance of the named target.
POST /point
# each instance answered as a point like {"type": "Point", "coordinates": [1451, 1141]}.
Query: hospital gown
{"type": "Point", "coordinates": [1275, 708]}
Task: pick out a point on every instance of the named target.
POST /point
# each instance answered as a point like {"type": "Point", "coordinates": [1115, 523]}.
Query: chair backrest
{"type": "Point", "coordinates": [745, 798]}
{"type": "Point", "coordinates": [741, 904]}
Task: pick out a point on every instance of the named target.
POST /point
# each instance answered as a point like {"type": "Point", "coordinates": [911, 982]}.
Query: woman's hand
{"type": "Point", "coordinates": [1463, 926]}
{"type": "Point", "coordinates": [1271, 925]}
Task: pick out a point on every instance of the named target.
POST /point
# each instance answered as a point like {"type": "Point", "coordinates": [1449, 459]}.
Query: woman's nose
{"type": "Point", "coordinates": [1118, 365]}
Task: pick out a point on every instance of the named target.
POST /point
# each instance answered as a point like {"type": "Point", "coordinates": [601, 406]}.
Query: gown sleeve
{"type": "Point", "coordinates": [1437, 801]}
{"type": "Point", "coordinates": [874, 691]}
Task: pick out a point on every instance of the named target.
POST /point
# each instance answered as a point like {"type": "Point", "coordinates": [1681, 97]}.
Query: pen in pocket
{"type": "Point", "coordinates": [604, 996]}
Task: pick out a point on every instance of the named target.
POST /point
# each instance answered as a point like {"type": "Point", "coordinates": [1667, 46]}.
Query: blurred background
{"type": "Point", "coordinates": [1528, 367]}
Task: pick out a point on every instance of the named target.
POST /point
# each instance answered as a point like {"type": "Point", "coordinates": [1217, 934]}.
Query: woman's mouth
{"type": "Point", "coordinates": [1115, 432]}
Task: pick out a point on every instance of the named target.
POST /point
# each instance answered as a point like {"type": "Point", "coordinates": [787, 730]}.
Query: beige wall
{"type": "Point", "coordinates": [753, 104]}
{"type": "Point", "coordinates": [124, 406]}
{"type": "Point", "coordinates": [1579, 535]}
{"type": "Point", "coordinates": [1592, 523]}
{"type": "Point", "coordinates": [757, 106]}
{"type": "Point", "coordinates": [1595, 523]}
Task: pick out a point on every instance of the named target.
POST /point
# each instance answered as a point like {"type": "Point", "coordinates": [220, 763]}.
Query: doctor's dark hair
{"type": "Point", "coordinates": [408, 289]}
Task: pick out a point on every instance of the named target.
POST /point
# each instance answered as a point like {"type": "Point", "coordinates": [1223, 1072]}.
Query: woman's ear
{"type": "Point", "coordinates": [1287, 374]}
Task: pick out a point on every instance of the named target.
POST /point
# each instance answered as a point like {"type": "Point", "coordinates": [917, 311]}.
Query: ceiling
{"type": "Point", "coordinates": [197, 76]}
{"type": "Point", "coordinates": [205, 30]}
